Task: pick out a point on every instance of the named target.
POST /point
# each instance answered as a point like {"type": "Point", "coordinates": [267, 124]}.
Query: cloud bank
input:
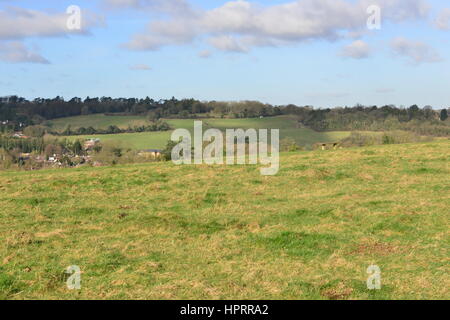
{"type": "Point", "coordinates": [18, 24]}
{"type": "Point", "coordinates": [16, 52]}
{"type": "Point", "coordinates": [239, 26]}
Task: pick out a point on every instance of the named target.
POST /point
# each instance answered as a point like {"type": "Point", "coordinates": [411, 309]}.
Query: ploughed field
{"type": "Point", "coordinates": [160, 231]}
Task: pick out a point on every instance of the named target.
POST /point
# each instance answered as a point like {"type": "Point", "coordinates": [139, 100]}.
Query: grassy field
{"type": "Point", "coordinates": [287, 125]}
{"type": "Point", "coordinates": [135, 141]}
{"type": "Point", "coordinates": [97, 121]}
{"type": "Point", "coordinates": [160, 231]}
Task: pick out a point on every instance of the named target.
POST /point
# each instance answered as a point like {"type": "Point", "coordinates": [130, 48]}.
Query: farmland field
{"type": "Point", "coordinates": [136, 141]}
{"type": "Point", "coordinates": [160, 231]}
{"type": "Point", "coordinates": [287, 125]}
{"type": "Point", "coordinates": [97, 121]}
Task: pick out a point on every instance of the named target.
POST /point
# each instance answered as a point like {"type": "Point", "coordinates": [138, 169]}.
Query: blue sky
{"type": "Point", "coordinates": [277, 52]}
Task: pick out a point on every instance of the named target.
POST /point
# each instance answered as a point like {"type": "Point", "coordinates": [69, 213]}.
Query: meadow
{"type": "Point", "coordinates": [98, 121]}
{"type": "Point", "coordinates": [147, 140]}
{"type": "Point", "coordinates": [160, 231]}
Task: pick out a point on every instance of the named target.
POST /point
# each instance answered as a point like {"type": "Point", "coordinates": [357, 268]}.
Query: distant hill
{"type": "Point", "coordinates": [288, 125]}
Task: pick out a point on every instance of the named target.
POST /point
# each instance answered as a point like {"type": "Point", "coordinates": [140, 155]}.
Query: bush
{"type": "Point", "coordinates": [167, 152]}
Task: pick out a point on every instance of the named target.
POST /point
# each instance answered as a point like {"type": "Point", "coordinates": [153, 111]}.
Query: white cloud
{"type": "Point", "coordinates": [442, 21]}
{"type": "Point", "coordinates": [123, 3]}
{"type": "Point", "coordinates": [19, 23]}
{"type": "Point", "coordinates": [140, 67]}
{"type": "Point", "coordinates": [415, 51]}
{"type": "Point", "coordinates": [227, 43]}
{"type": "Point", "coordinates": [163, 33]}
{"type": "Point", "coordinates": [168, 6]}
{"type": "Point", "coordinates": [241, 25]}
{"type": "Point", "coordinates": [16, 52]}
{"type": "Point", "coordinates": [205, 54]}
{"type": "Point", "coordinates": [357, 50]}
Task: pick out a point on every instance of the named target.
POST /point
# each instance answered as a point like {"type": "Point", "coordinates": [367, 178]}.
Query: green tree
{"type": "Point", "coordinates": [167, 152]}
{"type": "Point", "coordinates": [444, 114]}
{"type": "Point", "coordinates": [77, 148]}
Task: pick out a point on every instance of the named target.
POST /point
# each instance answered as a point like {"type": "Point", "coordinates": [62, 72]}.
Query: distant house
{"type": "Point", "coordinates": [150, 153]}
{"type": "Point", "coordinates": [25, 156]}
{"type": "Point", "coordinates": [19, 135]}
{"type": "Point", "coordinates": [54, 158]}
{"type": "Point", "coordinates": [89, 144]}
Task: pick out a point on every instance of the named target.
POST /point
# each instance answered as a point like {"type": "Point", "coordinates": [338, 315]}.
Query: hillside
{"type": "Point", "coordinates": [98, 121]}
{"type": "Point", "coordinates": [288, 125]}
{"type": "Point", "coordinates": [158, 231]}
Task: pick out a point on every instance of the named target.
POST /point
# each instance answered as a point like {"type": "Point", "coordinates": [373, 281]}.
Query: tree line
{"type": "Point", "coordinates": [22, 112]}
{"type": "Point", "coordinates": [113, 129]}
{"type": "Point", "coordinates": [23, 145]}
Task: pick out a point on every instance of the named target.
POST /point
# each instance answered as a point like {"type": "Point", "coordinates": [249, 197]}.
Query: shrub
{"type": "Point", "coordinates": [167, 152]}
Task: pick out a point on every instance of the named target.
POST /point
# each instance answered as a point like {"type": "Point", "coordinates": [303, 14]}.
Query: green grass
{"type": "Point", "coordinates": [160, 231]}
{"type": "Point", "coordinates": [97, 121]}
{"type": "Point", "coordinates": [135, 141]}
{"type": "Point", "coordinates": [287, 125]}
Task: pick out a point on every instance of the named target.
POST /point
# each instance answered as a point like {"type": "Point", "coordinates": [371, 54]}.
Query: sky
{"type": "Point", "coordinates": [323, 53]}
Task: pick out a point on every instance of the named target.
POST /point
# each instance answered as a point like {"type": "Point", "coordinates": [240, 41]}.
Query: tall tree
{"type": "Point", "coordinates": [444, 114]}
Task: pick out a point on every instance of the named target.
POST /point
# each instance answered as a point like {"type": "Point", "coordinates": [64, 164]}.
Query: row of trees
{"type": "Point", "coordinates": [113, 129]}
{"type": "Point", "coordinates": [41, 130]}
{"type": "Point", "coordinates": [424, 121]}
{"type": "Point", "coordinates": [42, 146]}
{"type": "Point", "coordinates": [33, 112]}
{"type": "Point", "coordinates": [23, 145]}
{"type": "Point", "coordinates": [21, 112]}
